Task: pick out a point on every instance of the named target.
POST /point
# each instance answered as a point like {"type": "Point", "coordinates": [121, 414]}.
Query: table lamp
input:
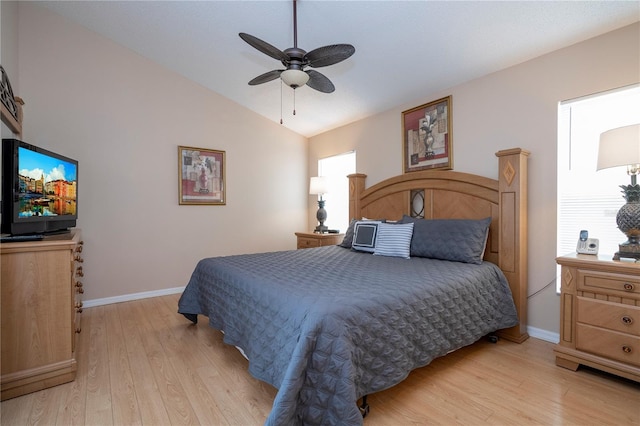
{"type": "Point", "coordinates": [621, 147]}
{"type": "Point", "coordinates": [318, 185]}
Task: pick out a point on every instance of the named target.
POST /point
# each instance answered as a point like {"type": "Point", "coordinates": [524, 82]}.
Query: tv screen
{"type": "Point", "coordinates": [40, 189]}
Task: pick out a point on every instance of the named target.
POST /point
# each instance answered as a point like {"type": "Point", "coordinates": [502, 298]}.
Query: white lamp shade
{"type": "Point", "coordinates": [294, 78]}
{"type": "Point", "coordinates": [318, 185]}
{"type": "Point", "coordinates": [619, 147]}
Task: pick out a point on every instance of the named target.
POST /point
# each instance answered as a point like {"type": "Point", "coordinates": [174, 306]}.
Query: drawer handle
{"type": "Point", "coordinates": [78, 330]}
{"type": "Point", "coordinates": [627, 320]}
{"type": "Point", "coordinates": [628, 286]}
{"type": "Point", "coordinates": [627, 349]}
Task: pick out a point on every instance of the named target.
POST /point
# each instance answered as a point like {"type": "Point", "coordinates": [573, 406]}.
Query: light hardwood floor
{"type": "Point", "coordinates": [142, 363]}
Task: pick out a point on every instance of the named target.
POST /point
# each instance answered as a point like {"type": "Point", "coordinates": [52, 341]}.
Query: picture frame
{"type": "Point", "coordinates": [427, 141]}
{"type": "Point", "coordinates": [201, 176]}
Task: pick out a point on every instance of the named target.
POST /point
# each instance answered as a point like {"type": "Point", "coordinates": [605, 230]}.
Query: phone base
{"type": "Point", "coordinates": [588, 246]}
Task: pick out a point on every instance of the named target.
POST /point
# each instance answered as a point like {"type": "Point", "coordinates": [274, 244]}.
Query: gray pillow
{"type": "Point", "coordinates": [459, 240]}
{"type": "Point", "coordinates": [348, 236]}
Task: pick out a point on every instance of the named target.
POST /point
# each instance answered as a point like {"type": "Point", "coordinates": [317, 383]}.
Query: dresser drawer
{"type": "Point", "coordinates": [609, 315]}
{"type": "Point", "coordinates": [615, 284]}
{"type": "Point", "coordinates": [311, 240]}
{"type": "Point", "coordinates": [611, 344]}
{"type": "Point", "coordinates": [304, 243]}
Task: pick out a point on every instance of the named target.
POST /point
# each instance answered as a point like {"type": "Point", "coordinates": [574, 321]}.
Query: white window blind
{"type": "Point", "coordinates": [336, 168]}
{"type": "Point", "coordinates": [590, 199]}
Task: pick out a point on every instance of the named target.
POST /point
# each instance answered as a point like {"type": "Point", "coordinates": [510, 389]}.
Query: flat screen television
{"type": "Point", "coordinates": [39, 190]}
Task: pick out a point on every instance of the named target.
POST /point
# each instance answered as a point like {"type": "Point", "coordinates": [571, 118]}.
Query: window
{"type": "Point", "coordinates": [590, 199]}
{"type": "Point", "coordinates": [336, 168]}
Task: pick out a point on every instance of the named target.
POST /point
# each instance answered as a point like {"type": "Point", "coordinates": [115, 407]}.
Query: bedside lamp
{"type": "Point", "coordinates": [318, 185]}
{"type": "Point", "coordinates": [621, 147]}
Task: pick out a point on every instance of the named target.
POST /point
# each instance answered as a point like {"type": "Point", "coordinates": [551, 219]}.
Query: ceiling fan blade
{"type": "Point", "coordinates": [319, 82]}
{"type": "Point", "coordinates": [329, 55]}
{"type": "Point", "coordinates": [267, 76]}
{"type": "Point", "coordinates": [264, 47]}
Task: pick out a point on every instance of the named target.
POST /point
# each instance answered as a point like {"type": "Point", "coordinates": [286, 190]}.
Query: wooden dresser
{"type": "Point", "coordinates": [41, 306]}
{"type": "Point", "coordinates": [312, 239]}
{"type": "Point", "coordinates": [600, 315]}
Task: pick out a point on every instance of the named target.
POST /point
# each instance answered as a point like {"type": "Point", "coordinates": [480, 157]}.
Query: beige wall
{"type": "Point", "coordinates": [123, 117]}
{"type": "Point", "coordinates": [516, 107]}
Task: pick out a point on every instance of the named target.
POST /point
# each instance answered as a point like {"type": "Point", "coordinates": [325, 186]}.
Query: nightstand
{"type": "Point", "coordinates": [600, 315]}
{"type": "Point", "coordinates": [312, 239]}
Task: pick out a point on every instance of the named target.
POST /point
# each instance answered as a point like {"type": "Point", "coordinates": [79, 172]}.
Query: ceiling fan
{"type": "Point", "coordinates": [296, 59]}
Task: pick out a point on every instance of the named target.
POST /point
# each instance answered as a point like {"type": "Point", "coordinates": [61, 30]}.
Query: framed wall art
{"type": "Point", "coordinates": [426, 136]}
{"type": "Point", "coordinates": [201, 176]}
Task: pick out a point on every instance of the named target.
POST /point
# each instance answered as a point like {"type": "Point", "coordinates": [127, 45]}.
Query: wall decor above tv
{"type": "Point", "coordinates": [10, 105]}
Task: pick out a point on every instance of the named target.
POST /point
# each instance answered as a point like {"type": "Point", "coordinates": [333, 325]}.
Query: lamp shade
{"type": "Point", "coordinates": [318, 185]}
{"type": "Point", "coordinates": [619, 147]}
{"type": "Point", "coordinates": [294, 78]}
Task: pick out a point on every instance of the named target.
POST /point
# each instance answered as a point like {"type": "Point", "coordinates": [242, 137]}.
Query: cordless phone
{"type": "Point", "coordinates": [587, 245]}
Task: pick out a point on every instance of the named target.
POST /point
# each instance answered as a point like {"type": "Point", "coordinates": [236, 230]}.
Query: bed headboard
{"type": "Point", "coordinates": [436, 194]}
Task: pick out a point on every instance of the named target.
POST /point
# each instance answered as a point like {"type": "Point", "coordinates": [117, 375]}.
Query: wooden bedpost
{"type": "Point", "coordinates": [356, 186]}
{"type": "Point", "coordinates": [512, 179]}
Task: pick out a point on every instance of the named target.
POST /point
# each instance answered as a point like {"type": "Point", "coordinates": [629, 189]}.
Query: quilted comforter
{"type": "Point", "coordinates": [326, 326]}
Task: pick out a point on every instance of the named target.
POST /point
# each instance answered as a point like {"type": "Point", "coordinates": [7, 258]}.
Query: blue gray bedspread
{"type": "Point", "coordinates": [326, 326]}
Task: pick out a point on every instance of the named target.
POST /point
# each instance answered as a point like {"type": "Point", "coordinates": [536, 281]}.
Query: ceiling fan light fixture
{"type": "Point", "coordinates": [295, 60]}
{"type": "Point", "coordinates": [294, 78]}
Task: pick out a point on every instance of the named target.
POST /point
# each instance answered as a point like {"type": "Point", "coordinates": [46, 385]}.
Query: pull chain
{"type": "Point", "coordinates": [294, 101]}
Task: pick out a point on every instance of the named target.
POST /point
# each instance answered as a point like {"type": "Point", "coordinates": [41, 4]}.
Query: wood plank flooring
{"type": "Point", "coordinates": [142, 363]}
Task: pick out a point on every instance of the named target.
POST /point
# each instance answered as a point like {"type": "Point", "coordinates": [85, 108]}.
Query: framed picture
{"type": "Point", "coordinates": [426, 136]}
{"type": "Point", "coordinates": [201, 176]}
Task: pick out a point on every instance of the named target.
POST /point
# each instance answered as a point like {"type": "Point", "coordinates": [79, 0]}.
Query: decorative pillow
{"type": "Point", "coordinates": [394, 240]}
{"type": "Point", "coordinates": [459, 240]}
{"type": "Point", "coordinates": [365, 234]}
{"type": "Point", "coordinates": [347, 241]}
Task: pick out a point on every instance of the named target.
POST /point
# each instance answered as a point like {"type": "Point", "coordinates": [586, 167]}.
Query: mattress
{"type": "Point", "coordinates": [328, 325]}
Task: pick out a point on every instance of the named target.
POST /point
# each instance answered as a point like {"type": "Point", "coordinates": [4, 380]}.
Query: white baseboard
{"type": "Point", "coordinates": [130, 297]}
{"type": "Point", "coordinates": [545, 335]}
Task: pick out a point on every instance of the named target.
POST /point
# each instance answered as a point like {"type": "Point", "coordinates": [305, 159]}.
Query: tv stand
{"type": "Point", "coordinates": [57, 232]}
{"type": "Point", "coordinates": [41, 298]}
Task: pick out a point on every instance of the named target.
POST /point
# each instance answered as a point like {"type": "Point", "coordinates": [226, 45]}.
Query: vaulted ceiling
{"type": "Point", "coordinates": [405, 50]}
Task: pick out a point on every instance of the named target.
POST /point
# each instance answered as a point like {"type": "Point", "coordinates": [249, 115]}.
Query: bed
{"type": "Point", "coordinates": [328, 326]}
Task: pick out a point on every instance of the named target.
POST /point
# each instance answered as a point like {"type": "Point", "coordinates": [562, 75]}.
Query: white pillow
{"type": "Point", "coordinates": [394, 240]}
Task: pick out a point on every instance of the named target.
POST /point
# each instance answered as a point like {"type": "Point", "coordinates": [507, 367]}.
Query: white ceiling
{"type": "Point", "coordinates": [405, 50]}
